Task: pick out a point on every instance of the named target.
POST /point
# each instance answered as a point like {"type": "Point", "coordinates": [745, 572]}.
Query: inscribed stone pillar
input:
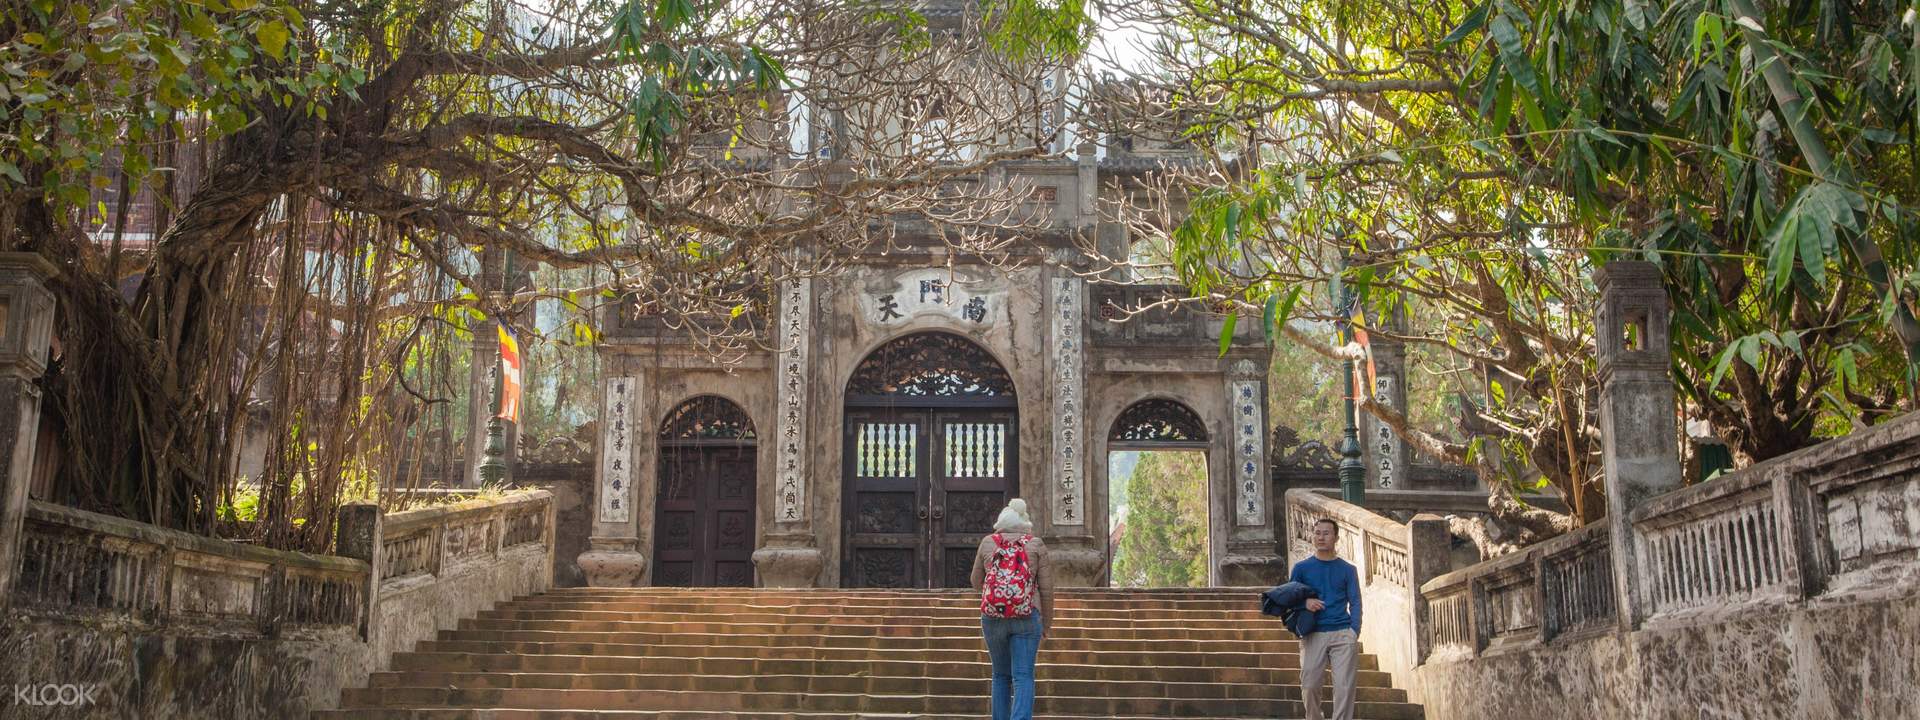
{"type": "Point", "coordinates": [26, 324]}
{"type": "Point", "coordinates": [613, 558]}
{"type": "Point", "coordinates": [1387, 456]}
{"type": "Point", "coordinates": [1079, 561]}
{"type": "Point", "coordinates": [1638, 431]}
{"type": "Point", "coordinates": [789, 556]}
{"type": "Point", "coordinates": [1252, 555]}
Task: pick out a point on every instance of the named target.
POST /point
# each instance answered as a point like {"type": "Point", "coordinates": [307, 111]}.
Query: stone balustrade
{"type": "Point", "coordinates": [172, 625]}
{"type": "Point", "coordinates": [1808, 561]}
{"type": "Point", "coordinates": [97, 567]}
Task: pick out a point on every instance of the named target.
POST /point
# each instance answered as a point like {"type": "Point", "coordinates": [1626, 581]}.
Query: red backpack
{"type": "Point", "coordinates": [1008, 590]}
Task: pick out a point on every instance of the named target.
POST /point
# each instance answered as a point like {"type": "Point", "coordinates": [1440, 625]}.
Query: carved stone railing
{"type": "Point", "coordinates": [1719, 545]}
{"type": "Point", "coordinates": [440, 563]}
{"type": "Point", "coordinates": [432, 541]}
{"type": "Point", "coordinates": [81, 564]}
{"type": "Point", "coordinates": [1833, 522]}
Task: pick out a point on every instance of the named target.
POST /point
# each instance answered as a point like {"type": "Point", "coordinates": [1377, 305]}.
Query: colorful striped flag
{"type": "Point", "coordinates": [509, 375]}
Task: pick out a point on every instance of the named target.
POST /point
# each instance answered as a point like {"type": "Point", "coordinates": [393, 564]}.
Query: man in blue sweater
{"type": "Point", "coordinates": [1336, 622]}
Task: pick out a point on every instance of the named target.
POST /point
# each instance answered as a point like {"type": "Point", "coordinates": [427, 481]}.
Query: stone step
{"type": "Point", "coordinates": [1253, 622]}
{"type": "Point", "coordinates": [697, 654]}
{"type": "Point", "coordinates": [907, 666]}
{"type": "Point", "coordinates": [1201, 658]}
{"type": "Point", "coordinates": [1057, 643]}
{"type": "Point", "coordinates": [1049, 685]}
{"type": "Point", "coordinates": [970, 604]}
{"type": "Point", "coordinates": [514, 714]}
{"type": "Point", "coordinates": [1270, 631]}
{"type": "Point", "coordinates": [842, 703]}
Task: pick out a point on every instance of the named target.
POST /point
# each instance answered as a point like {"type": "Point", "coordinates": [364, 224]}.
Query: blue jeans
{"type": "Point", "coordinates": [1014, 646]}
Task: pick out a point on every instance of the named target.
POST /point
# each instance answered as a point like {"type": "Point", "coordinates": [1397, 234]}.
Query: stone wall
{"type": "Point", "coordinates": [1787, 589]}
{"type": "Point", "coordinates": [112, 618]}
{"type": "Point", "coordinates": [152, 623]}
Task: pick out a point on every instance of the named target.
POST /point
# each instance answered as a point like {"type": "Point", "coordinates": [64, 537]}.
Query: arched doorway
{"type": "Point", "coordinates": [1158, 496]}
{"type": "Point", "coordinates": [931, 456]}
{"type": "Point", "coordinates": [703, 521]}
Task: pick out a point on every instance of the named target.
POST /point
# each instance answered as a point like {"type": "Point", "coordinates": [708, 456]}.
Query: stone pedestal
{"type": "Point", "coordinates": [1639, 432]}
{"type": "Point", "coordinates": [26, 326]}
{"type": "Point", "coordinates": [613, 562]}
{"type": "Point", "coordinates": [1253, 565]}
{"type": "Point", "coordinates": [789, 561]}
{"type": "Point", "coordinates": [1075, 564]}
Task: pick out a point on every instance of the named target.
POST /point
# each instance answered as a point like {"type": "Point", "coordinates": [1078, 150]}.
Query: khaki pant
{"type": "Point", "coordinates": [1315, 651]}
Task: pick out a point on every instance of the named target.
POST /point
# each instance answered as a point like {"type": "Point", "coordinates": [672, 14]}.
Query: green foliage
{"type": "Point", "coordinates": [1165, 542]}
{"type": "Point", "coordinates": [82, 82]}
{"type": "Point", "coordinates": [662, 39]}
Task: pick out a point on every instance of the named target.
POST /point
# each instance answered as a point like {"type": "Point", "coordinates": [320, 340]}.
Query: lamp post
{"type": "Point", "coordinates": [1353, 473]}
{"type": "Point", "coordinates": [493, 465]}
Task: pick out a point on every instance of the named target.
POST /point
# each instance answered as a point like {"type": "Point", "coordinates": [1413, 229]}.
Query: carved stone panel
{"type": "Point", "coordinates": [790, 400]}
{"type": "Point", "coordinates": [616, 441]}
{"type": "Point", "coordinates": [1248, 405]}
{"type": "Point", "coordinates": [1068, 352]}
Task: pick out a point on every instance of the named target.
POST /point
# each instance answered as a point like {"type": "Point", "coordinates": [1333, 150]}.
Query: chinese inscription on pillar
{"type": "Point", "coordinates": [1385, 442]}
{"type": "Point", "coordinates": [1249, 415]}
{"type": "Point", "coordinates": [616, 457]}
{"type": "Point", "coordinates": [796, 326]}
{"type": "Point", "coordinates": [1069, 314]}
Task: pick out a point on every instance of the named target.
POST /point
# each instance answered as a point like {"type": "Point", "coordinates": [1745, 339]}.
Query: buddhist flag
{"type": "Point", "coordinates": [509, 375]}
{"type": "Point", "coordinates": [1364, 376]}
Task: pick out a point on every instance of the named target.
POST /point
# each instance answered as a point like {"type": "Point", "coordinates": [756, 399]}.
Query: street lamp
{"type": "Point", "coordinates": [1353, 473]}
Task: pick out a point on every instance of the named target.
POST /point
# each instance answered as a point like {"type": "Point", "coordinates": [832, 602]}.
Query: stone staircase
{"type": "Point", "coordinates": [602, 654]}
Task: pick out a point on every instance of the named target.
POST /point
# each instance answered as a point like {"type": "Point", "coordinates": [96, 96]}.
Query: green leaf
{"type": "Point", "coordinates": [12, 172]}
{"type": "Point", "coordinates": [1720, 366]}
{"type": "Point", "coordinates": [1749, 351]}
{"type": "Point", "coordinates": [1473, 21]}
{"type": "Point", "coordinates": [1513, 54]}
{"type": "Point", "coordinates": [1285, 311]}
{"type": "Point", "coordinates": [1226, 332]}
{"type": "Point", "coordinates": [273, 38]}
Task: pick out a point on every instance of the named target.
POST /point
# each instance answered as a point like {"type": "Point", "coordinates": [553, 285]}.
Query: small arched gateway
{"type": "Point", "coordinates": [704, 517]}
{"type": "Point", "coordinates": [931, 456]}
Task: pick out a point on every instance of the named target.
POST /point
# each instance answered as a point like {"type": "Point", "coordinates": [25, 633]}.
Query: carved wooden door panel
{"type": "Point", "coordinates": [974, 479]}
{"type": "Point", "coordinates": [886, 499]}
{"type": "Point", "coordinates": [704, 517]}
{"type": "Point", "coordinates": [924, 486]}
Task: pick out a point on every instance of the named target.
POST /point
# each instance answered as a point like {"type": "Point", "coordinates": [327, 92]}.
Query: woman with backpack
{"type": "Point", "coordinates": [1016, 602]}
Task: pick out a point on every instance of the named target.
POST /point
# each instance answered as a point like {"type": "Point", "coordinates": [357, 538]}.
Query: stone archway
{"type": "Point", "coordinates": [1157, 425]}
{"type": "Point", "coordinates": [704, 515]}
{"type": "Point", "coordinates": [931, 455]}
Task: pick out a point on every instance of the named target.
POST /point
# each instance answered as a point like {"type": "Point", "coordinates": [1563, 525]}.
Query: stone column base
{"type": "Point", "coordinates": [1249, 567]}
{"type": "Point", "coordinates": [789, 561]}
{"type": "Point", "coordinates": [613, 562]}
{"type": "Point", "coordinates": [1076, 565]}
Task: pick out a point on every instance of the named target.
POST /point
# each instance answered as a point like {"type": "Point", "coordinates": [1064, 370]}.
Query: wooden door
{"type": "Point", "coordinates": [923, 486]}
{"type": "Point", "coordinates": [704, 518]}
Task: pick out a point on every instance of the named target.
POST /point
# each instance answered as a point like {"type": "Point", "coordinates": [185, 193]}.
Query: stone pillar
{"type": "Point", "coordinates": [26, 327]}
{"type": "Point", "coordinates": [1254, 556]}
{"type": "Point", "coordinates": [789, 556]}
{"type": "Point", "coordinates": [1389, 462]}
{"type": "Point", "coordinates": [1077, 556]}
{"type": "Point", "coordinates": [613, 557]}
{"type": "Point", "coordinates": [357, 534]}
{"type": "Point", "coordinates": [1429, 555]}
{"type": "Point", "coordinates": [1637, 426]}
